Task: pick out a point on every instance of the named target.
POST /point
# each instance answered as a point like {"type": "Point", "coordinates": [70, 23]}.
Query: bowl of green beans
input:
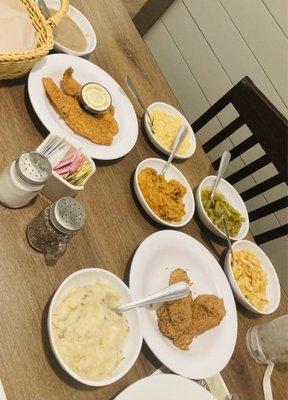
{"type": "Point", "coordinates": [228, 202]}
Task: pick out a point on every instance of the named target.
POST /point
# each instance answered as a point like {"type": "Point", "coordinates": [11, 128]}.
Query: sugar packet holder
{"type": "Point", "coordinates": [56, 186]}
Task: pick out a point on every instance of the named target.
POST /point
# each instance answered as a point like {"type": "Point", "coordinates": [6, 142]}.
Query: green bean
{"type": "Point", "coordinates": [218, 206]}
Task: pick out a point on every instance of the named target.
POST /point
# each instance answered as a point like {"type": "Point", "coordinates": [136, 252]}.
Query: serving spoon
{"type": "Point", "coordinates": [173, 292]}
{"type": "Point", "coordinates": [227, 237]}
{"type": "Point", "coordinates": [138, 97]}
{"type": "Point", "coordinates": [226, 156]}
{"type": "Point", "coordinates": [177, 143]}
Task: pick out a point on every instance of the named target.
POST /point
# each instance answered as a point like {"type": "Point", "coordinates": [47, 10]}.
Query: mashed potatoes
{"type": "Point", "coordinates": [165, 130]}
{"type": "Point", "coordinates": [88, 334]}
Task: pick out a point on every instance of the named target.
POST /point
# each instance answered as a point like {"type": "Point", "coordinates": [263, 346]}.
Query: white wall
{"type": "Point", "coordinates": [204, 47]}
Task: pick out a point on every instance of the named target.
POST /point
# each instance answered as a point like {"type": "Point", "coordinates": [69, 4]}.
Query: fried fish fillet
{"type": "Point", "coordinates": [183, 320]}
{"type": "Point", "coordinates": [95, 129]}
{"type": "Point", "coordinates": [72, 88]}
{"type": "Point", "coordinates": [69, 85]}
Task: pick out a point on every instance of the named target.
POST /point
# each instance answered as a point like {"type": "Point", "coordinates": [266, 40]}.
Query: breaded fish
{"type": "Point", "coordinates": [98, 130]}
{"type": "Point", "coordinates": [72, 88]}
{"type": "Point", "coordinates": [183, 320]}
{"type": "Point", "coordinates": [69, 85]}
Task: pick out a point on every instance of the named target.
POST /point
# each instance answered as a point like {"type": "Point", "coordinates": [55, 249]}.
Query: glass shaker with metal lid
{"type": "Point", "coordinates": [51, 230]}
{"type": "Point", "coordinates": [21, 181]}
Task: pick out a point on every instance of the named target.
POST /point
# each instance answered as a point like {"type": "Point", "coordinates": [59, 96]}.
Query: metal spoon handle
{"type": "Point", "coordinates": [227, 236]}
{"type": "Point", "coordinates": [177, 143]}
{"type": "Point", "coordinates": [222, 167]}
{"type": "Point", "coordinates": [137, 96]}
{"type": "Point", "coordinates": [173, 292]}
{"type": "Point", "coordinates": [44, 9]}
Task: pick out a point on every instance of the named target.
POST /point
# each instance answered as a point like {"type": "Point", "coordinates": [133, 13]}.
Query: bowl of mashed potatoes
{"type": "Point", "coordinates": [92, 342]}
{"type": "Point", "coordinates": [166, 122]}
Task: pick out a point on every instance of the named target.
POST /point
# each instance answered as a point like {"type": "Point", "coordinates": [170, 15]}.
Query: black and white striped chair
{"type": "Point", "coordinates": [269, 129]}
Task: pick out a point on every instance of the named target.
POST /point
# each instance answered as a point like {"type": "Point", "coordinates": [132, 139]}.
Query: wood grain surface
{"type": "Point", "coordinates": [115, 227]}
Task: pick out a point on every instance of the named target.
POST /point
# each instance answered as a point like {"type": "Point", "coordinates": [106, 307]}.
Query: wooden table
{"type": "Point", "coordinates": [115, 227]}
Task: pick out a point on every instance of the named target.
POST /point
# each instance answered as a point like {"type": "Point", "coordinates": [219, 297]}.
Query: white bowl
{"type": "Point", "coordinates": [232, 196]}
{"type": "Point", "coordinates": [83, 24]}
{"type": "Point", "coordinates": [134, 342]}
{"type": "Point", "coordinates": [172, 173]}
{"type": "Point", "coordinates": [273, 287]}
{"type": "Point", "coordinates": [173, 111]}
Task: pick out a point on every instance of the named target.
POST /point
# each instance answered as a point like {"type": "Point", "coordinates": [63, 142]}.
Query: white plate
{"type": "Point", "coordinates": [172, 173]}
{"type": "Point", "coordinates": [133, 343]}
{"type": "Point", "coordinates": [172, 111]}
{"type": "Point", "coordinates": [273, 288]}
{"type": "Point", "coordinates": [152, 264]}
{"type": "Point", "coordinates": [53, 66]}
{"type": "Point", "coordinates": [165, 387]}
{"type": "Point", "coordinates": [83, 24]}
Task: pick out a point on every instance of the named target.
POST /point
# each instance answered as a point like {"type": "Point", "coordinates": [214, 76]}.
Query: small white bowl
{"type": "Point", "coordinates": [172, 173]}
{"type": "Point", "coordinates": [83, 24]}
{"type": "Point", "coordinates": [172, 111]}
{"type": "Point", "coordinates": [232, 196]}
{"type": "Point", "coordinates": [134, 341]}
{"type": "Point", "coordinates": [273, 287]}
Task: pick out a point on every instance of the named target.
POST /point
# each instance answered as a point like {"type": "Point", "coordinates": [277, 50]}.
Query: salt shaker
{"type": "Point", "coordinates": [21, 181]}
{"type": "Point", "coordinates": [51, 230]}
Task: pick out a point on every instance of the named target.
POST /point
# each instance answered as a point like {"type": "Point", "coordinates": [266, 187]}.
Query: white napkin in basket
{"type": "Point", "coordinates": [17, 33]}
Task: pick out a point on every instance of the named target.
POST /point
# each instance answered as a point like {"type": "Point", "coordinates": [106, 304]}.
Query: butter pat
{"type": "Point", "coordinates": [165, 129]}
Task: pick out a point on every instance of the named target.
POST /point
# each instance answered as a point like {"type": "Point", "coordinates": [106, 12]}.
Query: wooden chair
{"type": "Point", "coordinates": [269, 128]}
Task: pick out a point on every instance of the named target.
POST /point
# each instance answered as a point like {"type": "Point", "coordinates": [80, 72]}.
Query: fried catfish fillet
{"type": "Point", "coordinates": [69, 85]}
{"type": "Point", "coordinates": [72, 88]}
{"type": "Point", "coordinates": [95, 129]}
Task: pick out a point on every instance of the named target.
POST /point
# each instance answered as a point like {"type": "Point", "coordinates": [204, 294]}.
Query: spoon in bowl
{"type": "Point", "coordinates": [137, 96]}
{"type": "Point", "coordinates": [226, 156]}
{"type": "Point", "coordinates": [227, 237]}
{"type": "Point", "coordinates": [177, 143]}
{"type": "Point", "coordinates": [173, 292]}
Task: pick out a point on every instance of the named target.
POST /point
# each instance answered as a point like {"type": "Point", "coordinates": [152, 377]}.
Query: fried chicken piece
{"type": "Point", "coordinates": [72, 88]}
{"type": "Point", "coordinates": [69, 85]}
{"type": "Point", "coordinates": [182, 320]}
{"type": "Point", "coordinates": [174, 317]}
{"type": "Point", "coordinates": [178, 275]}
{"type": "Point", "coordinates": [96, 130]}
{"type": "Point", "coordinates": [207, 312]}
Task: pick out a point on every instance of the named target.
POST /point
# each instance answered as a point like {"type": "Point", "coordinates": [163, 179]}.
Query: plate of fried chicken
{"type": "Point", "coordinates": [194, 336]}
{"type": "Point", "coordinates": [54, 87]}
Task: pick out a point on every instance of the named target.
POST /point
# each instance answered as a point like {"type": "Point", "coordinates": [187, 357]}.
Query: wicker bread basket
{"type": "Point", "coordinates": [14, 65]}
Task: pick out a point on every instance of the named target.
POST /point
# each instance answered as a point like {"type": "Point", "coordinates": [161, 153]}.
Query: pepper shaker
{"type": "Point", "coordinates": [51, 230]}
{"type": "Point", "coordinates": [21, 181]}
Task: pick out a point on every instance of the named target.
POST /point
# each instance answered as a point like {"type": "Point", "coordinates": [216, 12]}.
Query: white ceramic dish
{"type": "Point", "coordinates": [273, 287]}
{"type": "Point", "coordinates": [154, 260]}
{"type": "Point", "coordinates": [83, 24]}
{"type": "Point", "coordinates": [134, 342]}
{"type": "Point", "coordinates": [172, 111]}
{"type": "Point", "coordinates": [172, 173]}
{"type": "Point", "coordinates": [56, 186]}
{"type": "Point", "coordinates": [232, 196]}
{"type": "Point", "coordinates": [53, 66]}
{"type": "Point", "coordinates": [165, 387]}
